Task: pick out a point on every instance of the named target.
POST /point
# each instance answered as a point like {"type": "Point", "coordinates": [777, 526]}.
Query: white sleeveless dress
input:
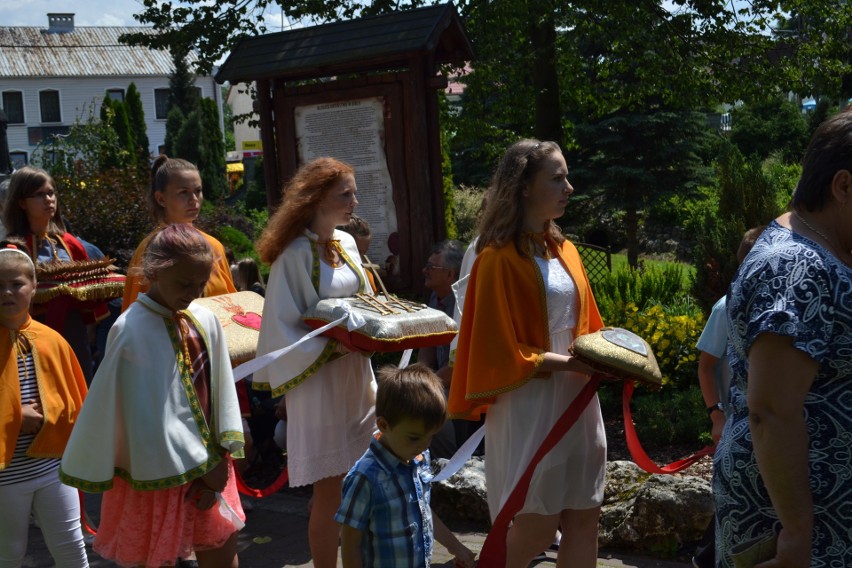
{"type": "Point", "coordinates": [331, 416]}
{"type": "Point", "coordinates": [571, 476]}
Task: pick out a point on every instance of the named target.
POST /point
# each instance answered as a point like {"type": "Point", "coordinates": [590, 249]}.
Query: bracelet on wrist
{"type": "Point", "coordinates": [718, 406]}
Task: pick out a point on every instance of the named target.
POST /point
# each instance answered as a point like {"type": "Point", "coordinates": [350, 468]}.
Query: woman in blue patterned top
{"type": "Point", "coordinates": [783, 467]}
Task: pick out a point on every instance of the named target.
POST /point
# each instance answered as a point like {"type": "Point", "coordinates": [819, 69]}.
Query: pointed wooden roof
{"type": "Point", "coordinates": [380, 42]}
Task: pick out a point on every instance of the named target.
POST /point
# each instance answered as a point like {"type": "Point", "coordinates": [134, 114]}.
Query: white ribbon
{"type": "Point", "coordinates": [353, 321]}
{"type": "Point", "coordinates": [406, 358]}
{"type": "Point", "coordinates": [228, 513]}
{"type": "Point", "coordinates": [461, 457]}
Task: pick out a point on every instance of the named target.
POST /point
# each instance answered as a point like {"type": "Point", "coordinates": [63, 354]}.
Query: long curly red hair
{"type": "Point", "coordinates": [302, 196]}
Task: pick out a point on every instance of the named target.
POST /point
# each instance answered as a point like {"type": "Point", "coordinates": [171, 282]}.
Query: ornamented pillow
{"type": "Point", "coordinates": [82, 280]}
{"type": "Point", "coordinates": [240, 316]}
{"type": "Point", "coordinates": [620, 353]}
{"type": "Point", "coordinates": [385, 324]}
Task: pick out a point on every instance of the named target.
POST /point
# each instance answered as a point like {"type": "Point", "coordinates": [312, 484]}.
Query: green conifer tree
{"type": "Point", "coordinates": [174, 123]}
{"type": "Point", "coordinates": [183, 93]}
{"type": "Point", "coordinates": [187, 143]}
{"type": "Point", "coordinates": [212, 151]}
{"type": "Point", "coordinates": [136, 115]}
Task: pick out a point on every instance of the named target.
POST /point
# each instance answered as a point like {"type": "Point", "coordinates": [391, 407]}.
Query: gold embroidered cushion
{"type": "Point", "coordinates": [82, 280]}
{"type": "Point", "coordinates": [620, 353]}
{"type": "Point", "coordinates": [240, 316]}
{"type": "Point", "coordinates": [388, 323]}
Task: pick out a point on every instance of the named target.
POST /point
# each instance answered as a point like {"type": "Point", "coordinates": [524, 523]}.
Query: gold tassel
{"type": "Point", "coordinates": [329, 248]}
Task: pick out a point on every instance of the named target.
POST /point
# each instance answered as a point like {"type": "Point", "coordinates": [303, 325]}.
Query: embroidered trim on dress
{"type": "Point", "coordinates": [328, 354]}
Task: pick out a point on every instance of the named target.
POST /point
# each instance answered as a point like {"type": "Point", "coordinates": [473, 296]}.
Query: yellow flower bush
{"type": "Point", "coordinates": [671, 331]}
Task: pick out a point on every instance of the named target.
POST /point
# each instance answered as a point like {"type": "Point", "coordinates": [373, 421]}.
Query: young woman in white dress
{"type": "Point", "coordinates": [330, 391]}
{"type": "Point", "coordinates": [527, 298]}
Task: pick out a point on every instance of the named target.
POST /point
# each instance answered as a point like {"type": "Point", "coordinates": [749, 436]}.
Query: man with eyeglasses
{"type": "Point", "coordinates": [439, 274]}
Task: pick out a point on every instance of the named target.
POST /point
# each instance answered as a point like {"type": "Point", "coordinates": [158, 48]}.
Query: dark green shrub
{"type": "Point", "coordinates": [671, 417]}
{"type": "Point", "coordinates": [762, 128]}
{"type": "Point", "coordinates": [747, 198]}
{"type": "Point", "coordinates": [783, 177]}
{"type": "Point", "coordinates": [613, 290]}
{"type": "Point", "coordinates": [235, 228]}
{"type": "Point", "coordinates": [467, 202]}
{"type": "Point", "coordinates": [256, 188]}
{"type": "Point", "coordinates": [237, 242]}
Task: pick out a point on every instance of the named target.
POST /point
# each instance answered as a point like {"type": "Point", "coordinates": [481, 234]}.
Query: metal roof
{"type": "Point", "coordinates": [385, 41]}
{"type": "Point", "coordinates": [85, 51]}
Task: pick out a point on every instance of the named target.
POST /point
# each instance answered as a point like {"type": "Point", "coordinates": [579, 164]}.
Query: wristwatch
{"type": "Point", "coordinates": [718, 406]}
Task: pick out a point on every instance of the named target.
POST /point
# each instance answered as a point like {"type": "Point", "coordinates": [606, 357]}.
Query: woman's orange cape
{"type": "Point", "coordinates": [221, 281]}
{"type": "Point", "coordinates": [504, 329]}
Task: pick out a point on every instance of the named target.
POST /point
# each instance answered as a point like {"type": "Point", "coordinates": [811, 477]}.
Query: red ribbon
{"type": "Point", "coordinates": [280, 482]}
{"type": "Point", "coordinates": [84, 517]}
{"type": "Point", "coordinates": [494, 550]}
{"type": "Point", "coordinates": [638, 453]}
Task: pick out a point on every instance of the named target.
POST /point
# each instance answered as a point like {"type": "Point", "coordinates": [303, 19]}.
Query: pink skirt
{"type": "Point", "coordinates": [155, 528]}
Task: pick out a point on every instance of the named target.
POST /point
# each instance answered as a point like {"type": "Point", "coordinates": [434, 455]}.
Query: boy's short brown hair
{"type": "Point", "coordinates": [414, 392]}
{"type": "Point", "coordinates": [357, 227]}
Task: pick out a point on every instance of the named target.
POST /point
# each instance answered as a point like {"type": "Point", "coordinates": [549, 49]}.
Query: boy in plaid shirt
{"type": "Point", "coordinates": [385, 513]}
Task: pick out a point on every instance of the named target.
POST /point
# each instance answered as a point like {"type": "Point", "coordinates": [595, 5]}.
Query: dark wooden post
{"type": "Point", "coordinates": [267, 138]}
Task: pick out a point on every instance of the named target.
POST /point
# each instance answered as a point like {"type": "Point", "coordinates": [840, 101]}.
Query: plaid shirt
{"type": "Point", "coordinates": [388, 501]}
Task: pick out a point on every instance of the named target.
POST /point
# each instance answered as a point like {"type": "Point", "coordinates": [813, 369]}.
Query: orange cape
{"type": "Point", "coordinates": [504, 329]}
{"type": "Point", "coordinates": [221, 281]}
{"type": "Point", "coordinates": [61, 386]}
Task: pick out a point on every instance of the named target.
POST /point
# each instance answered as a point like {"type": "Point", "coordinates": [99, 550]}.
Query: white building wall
{"type": "Point", "coordinates": [241, 102]}
{"type": "Point", "coordinates": [80, 95]}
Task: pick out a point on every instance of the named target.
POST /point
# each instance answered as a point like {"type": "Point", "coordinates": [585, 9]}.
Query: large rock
{"type": "Point", "coordinates": [641, 512]}
{"type": "Point", "coordinates": [652, 513]}
{"type": "Point", "coordinates": [461, 498]}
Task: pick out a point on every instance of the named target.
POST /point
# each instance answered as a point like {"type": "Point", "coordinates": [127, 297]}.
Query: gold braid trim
{"type": "Point", "coordinates": [82, 280]}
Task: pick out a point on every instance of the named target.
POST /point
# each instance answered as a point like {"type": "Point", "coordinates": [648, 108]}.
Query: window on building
{"type": "Point", "coordinates": [49, 104]}
{"type": "Point", "coordinates": [115, 94]}
{"type": "Point", "coordinates": [161, 103]}
{"type": "Point", "coordinates": [13, 105]}
{"type": "Point", "coordinates": [19, 159]}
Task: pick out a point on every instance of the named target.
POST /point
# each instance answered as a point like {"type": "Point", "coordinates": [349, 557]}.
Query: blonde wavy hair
{"type": "Point", "coordinates": [502, 219]}
{"type": "Point", "coordinates": [302, 196]}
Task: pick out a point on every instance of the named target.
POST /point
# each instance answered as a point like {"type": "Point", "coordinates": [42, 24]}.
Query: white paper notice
{"type": "Point", "coordinates": [354, 132]}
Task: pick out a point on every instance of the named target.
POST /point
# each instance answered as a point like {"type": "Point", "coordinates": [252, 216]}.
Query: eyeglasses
{"type": "Point", "coordinates": [430, 266]}
{"type": "Point", "coordinates": [42, 195]}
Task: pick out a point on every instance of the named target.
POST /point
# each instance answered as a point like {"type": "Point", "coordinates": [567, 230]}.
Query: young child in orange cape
{"type": "Point", "coordinates": [41, 392]}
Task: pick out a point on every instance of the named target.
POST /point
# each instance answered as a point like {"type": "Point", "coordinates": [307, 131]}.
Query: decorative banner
{"type": "Point", "coordinates": [354, 132]}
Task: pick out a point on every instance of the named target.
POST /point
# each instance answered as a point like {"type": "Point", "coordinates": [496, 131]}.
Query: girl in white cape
{"type": "Point", "coordinates": [164, 400]}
